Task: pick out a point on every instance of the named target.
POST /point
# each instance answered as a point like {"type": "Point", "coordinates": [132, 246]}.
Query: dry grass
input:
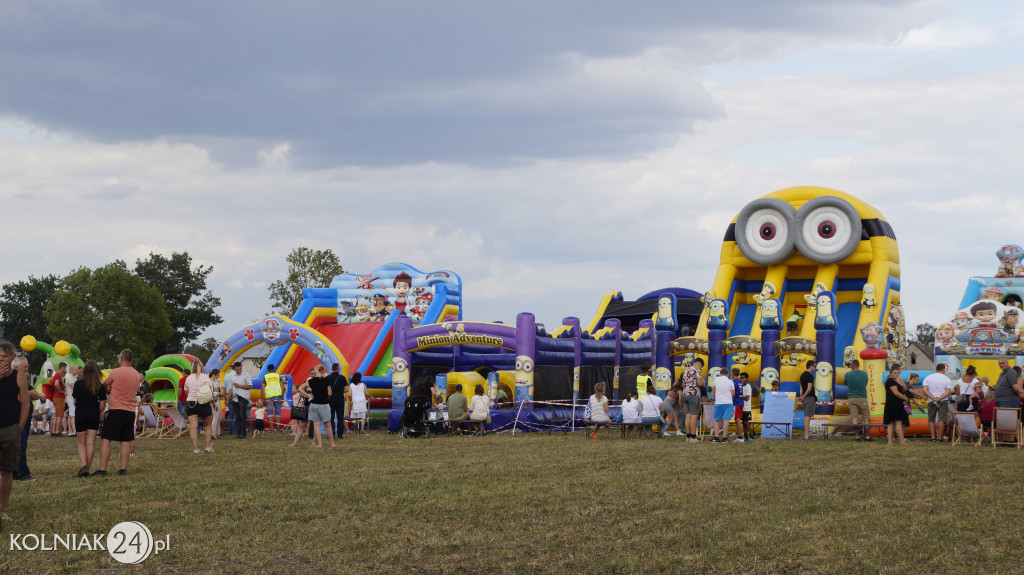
{"type": "Point", "coordinates": [535, 503]}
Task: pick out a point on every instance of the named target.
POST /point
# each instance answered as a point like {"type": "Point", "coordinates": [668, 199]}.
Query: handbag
{"type": "Point", "coordinates": [205, 394]}
{"type": "Point", "coordinates": [300, 413]}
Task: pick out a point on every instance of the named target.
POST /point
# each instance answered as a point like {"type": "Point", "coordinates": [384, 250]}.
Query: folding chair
{"type": "Point", "coordinates": [707, 417]}
{"type": "Point", "coordinates": [178, 424]}
{"type": "Point", "coordinates": [1006, 423]}
{"type": "Point", "coordinates": [150, 424]}
{"type": "Point", "coordinates": [965, 425]}
{"type": "Point", "coordinates": [558, 422]}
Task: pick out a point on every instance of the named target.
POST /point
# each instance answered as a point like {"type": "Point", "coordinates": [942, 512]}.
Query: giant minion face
{"type": "Point", "coordinates": [400, 379]}
{"type": "Point", "coordinates": [662, 379]}
{"type": "Point", "coordinates": [524, 378]}
{"type": "Point", "coordinates": [798, 239]}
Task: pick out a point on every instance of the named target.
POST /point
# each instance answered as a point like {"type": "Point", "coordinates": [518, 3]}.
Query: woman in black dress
{"type": "Point", "coordinates": [896, 415]}
{"type": "Point", "coordinates": [90, 401]}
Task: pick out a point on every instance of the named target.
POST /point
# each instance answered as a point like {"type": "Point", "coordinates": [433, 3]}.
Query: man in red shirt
{"type": "Point", "coordinates": [59, 400]}
{"type": "Point", "coordinates": [119, 424]}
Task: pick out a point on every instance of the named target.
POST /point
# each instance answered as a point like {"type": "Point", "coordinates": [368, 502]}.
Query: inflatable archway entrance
{"type": "Point", "coordinates": [276, 330]}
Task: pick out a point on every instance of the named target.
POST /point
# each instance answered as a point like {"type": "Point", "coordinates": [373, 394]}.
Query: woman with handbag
{"type": "Point", "coordinates": [897, 406]}
{"type": "Point", "coordinates": [198, 405]}
{"type": "Point", "coordinates": [319, 389]}
{"type": "Point", "coordinates": [91, 398]}
{"type": "Point", "coordinates": [479, 411]}
{"type": "Point", "coordinates": [966, 398]}
{"type": "Point", "coordinates": [300, 411]}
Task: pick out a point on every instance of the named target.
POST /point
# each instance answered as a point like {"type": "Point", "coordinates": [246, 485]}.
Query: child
{"type": "Point", "coordinates": [259, 425]}
{"type": "Point", "coordinates": [986, 406]}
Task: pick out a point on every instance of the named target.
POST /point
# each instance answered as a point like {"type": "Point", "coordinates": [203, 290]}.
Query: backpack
{"type": "Point", "coordinates": [205, 393]}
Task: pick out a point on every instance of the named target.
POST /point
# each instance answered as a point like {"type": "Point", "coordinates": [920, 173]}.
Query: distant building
{"type": "Point", "coordinates": [919, 359]}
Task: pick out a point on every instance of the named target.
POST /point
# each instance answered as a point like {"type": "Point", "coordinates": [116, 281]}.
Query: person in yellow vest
{"type": "Point", "coordinates": [273, 397]}
{"type": "Point", "coordinates": [643, 380]}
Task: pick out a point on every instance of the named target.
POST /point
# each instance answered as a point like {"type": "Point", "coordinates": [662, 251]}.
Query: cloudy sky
{"type": "Point", "coordinates": [547, 152]}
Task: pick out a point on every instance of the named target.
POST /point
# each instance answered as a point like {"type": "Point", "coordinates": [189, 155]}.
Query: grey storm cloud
{"type": "Point", "coordinates": [398, 82]}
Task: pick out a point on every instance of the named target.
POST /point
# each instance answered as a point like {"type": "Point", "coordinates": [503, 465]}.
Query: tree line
{"type": "Point", "coordinates": [159, 306]}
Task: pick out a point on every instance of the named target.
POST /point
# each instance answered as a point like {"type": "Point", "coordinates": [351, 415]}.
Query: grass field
{"type": "Point", "coordinates": [534, 503]}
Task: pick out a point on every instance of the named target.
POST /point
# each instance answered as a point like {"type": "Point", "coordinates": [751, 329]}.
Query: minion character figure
{"type": "Point", "coordinates": [823, 381]}
{"type": "Point", "coordinates": [666, 319]}
{"type": "Point", "coordinates": [849, 355]}
{"type": "Point", "coordinates": [662, 379]}
{"type": "Point", "coordinates": [770, 314]}
{"type": "Point", "coordinates": [400, 379]}
{"type": "Point", "coordinates": [868, 300]}
{"type": "Point", "coordinates": [717, 318]}
{"type": "Point", "coordinates": [825, 305]}
{"type": "Point", "coordinates": [766, 292]}
{"type": "Point", "coordinates": [524, 378]}
{"type": "Point", "coordinates": [769, 378]}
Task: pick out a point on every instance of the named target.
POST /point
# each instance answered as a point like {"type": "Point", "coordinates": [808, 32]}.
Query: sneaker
{"type": "Point", "coordinates": [593, 436]}
{"type": "Point", "coordinates": [868, 438]}
{"type": "Point", "coordinates": [714, 440]}
{"type": "Point", "coordinates": [83, 472]}
{"type": "Point", "coordinates": [99, 473]}
{"type": "Point", "coordinates": [808, 438]}
{"type": "Point", "coordinates": [196, 450]}
{"type": "Point", "coordinates": [209, 449]}
{"type": "Point", "coordinates": [858, 438]}
{"type": "Point", "coordinates": [739, 440]}
{"type": "Point", "coordinates": [122, 472]}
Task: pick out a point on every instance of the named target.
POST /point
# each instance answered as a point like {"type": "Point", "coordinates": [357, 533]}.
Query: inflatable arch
{"type": "Point", "coordinates": [276, 330]}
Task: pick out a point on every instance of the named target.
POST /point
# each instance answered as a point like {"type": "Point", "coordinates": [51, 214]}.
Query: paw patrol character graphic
{"type": "Point", "coordinates": [662, 379]}
{"type": "Point", "coordinates": [716, 315]}
{"type": "Point", "coordinates": [346, 311]}
{"type": "Point", "coordinates": [1009, 259]}
{"type": "Point", "coordinates": [524, 378]}
{"type": "Point", "coordinates": [271, 329]}
{"type": "Point", "coordinates": [402, 286]}
{"type": "Point", "coordinates": [770, 314]}
{"type": "Point", "coordinates": [366, 282]}
{"type": "Point", "coordinates": [1010, 320]}
{"type": "Point", "coordinates": [318, 351]}
{"type": "Point", "coordinates": [378, 310]}
{"type": "Point", "coordinates": [868, 300]}
{"type": "Point", "coordinates": [362, 313]}
{"type": "Point", "coordinates": [993, 293]}
{"type": "Point", "coordinates": [666, 319]}
{"type": "Point", "coordinates": [823, 381]}
{"type": "Point", "coordinates": [400, 379]}
{"type": "Point", "coordinates": [945, 336]}
{"type": "Point", "coordinates": [225, 351]}
{"type": "Point", "coordinates": [872, 335]}
{"type": "Point", "coordinates": [824, 310]}
{"type": "Point", "coordinates": [983, 314]}
{"type": "Point", "coordinates": [961, 321]}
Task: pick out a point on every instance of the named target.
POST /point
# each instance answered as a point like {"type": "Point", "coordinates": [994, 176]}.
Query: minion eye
{"type": "Point", "coordinates": [828, 229]}
{"type": "Point", "coordinates": [763, 231]}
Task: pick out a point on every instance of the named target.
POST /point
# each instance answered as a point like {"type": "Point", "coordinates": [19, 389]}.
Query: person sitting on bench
{"type": "Point", "coordinates": [457, 412]}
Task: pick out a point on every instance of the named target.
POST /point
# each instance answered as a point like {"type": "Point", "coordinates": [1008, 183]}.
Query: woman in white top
{"type": "Point", "coordinates": [358, 390]}
{"type": "Point", "coordinates": [195, 410]}
{"type": "Point", "coordinates": [651, 412]}
{"type": "Point", "coordinates": [300, 399]}
{"type": "Point", "coordinates": [479, 411]}
{"type": "Point", "coordinates": [967, 398]}
{"type": "Point", "coordinates": [599, 410]}
{"type": "Point", "coordinates": [631, 413]}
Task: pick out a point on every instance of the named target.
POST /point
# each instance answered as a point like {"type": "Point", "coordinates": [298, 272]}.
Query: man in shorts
{"type": "Point", "coordinates": [937, 389]}
{"type": "Point", "coordinates": [273, 396]}
{"type": "Point", "coordinates": [856, 381]}
{"type": "Point", "coordinates": [725, 392]}
{"type": "Point", "coordinates": [693, 388]}
{"type": "Point", "coordinates": [14, 407]}
{"type": "Point", "coordinates": [808, 397]}
{"type": "Point", "coordinates": [119, 424]}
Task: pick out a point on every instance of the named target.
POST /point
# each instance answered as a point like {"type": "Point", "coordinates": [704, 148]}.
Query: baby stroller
{"type": "Point", "coordinates": [413, 424]}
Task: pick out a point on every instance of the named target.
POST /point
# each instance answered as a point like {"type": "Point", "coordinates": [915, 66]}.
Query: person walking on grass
{"type": "Point", "coordinates": [215, 406]}
{"type": "Point", "coordinates": [122, 387]}
{"type": "Point", "coordinates": [273, 397]}
{"type": "Point", "coordinates": [748, 408]}
{"type": "Point", "coordinates": [90, 401]}
{"type": "Point", "coordinates": [241, 385]}
{"type": "Point", "coordinates": [14, 408]}
{"type": "Point", "coordinates": [199, 411]}
{"type": "Point", "coordinates": [808, 397]}
{"type": "Point", "coordinates": [725, 391]}
{"type": "Point", "coordinates": [856, 381]}
{"type": "Point", "coordinates": [319, 390]}
{"type": "Point", "coordinates": [599, 410]}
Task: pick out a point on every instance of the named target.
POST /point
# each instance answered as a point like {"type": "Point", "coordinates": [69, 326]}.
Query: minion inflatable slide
{"type": "Point", "coordinates": [806, 273]}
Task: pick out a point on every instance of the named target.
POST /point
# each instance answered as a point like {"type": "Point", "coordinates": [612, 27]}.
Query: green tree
{"type": "Point", "coordinates": [924, 336]}
{"type": "Point", "coordinates": [203, 350]}
{"type": "Point", "coordinates": [190, 306]}
{"type": "Point", "coordinates": [21, 310]}
{"type": "Point", "coordinates": [306, 269]}
{"type": "Point", "coordinates": [106, 310]}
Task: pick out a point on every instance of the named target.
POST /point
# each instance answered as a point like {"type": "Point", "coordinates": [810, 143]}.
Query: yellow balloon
{"type": "Point", "coordinates": [62, 348]}
{"type": "Point", "coordinates": [28, 343]}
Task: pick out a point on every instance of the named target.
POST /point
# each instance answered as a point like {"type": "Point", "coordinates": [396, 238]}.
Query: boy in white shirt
{"type": "Point", "coordinates": [748, 407]}
{"type": "Point", "coordinates": [725, 391]}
